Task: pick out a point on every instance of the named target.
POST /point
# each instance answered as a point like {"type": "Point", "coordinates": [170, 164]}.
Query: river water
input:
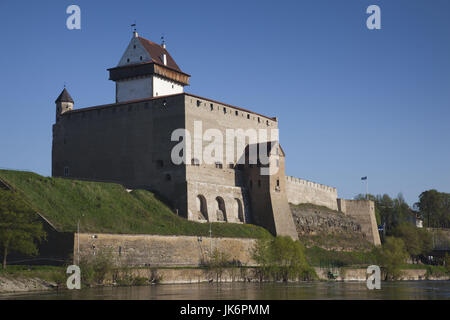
{"type": "Point", "coordinates": [424, 290]}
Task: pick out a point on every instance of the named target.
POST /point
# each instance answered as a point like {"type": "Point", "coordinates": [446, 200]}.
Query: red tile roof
{"type": "Point", "coordinates": [156, 51]}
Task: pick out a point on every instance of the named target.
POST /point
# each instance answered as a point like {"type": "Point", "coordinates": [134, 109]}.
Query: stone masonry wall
{"type": "Point", "coordinates": [155, 250]}
{"type": "Point", "coordinates": [304, 191]}
{"type": "Point", "coordinates": [364, 212]}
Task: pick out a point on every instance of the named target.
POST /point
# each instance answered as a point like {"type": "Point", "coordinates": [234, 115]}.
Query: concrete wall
{"type": "Point", "coordinates": [304, 191]}
{"type": "Point", "coordinates": [364, 212]}
{"type": "Point", "coordinates": [153, 250]}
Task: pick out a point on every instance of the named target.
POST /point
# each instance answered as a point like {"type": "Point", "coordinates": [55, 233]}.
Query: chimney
{"type": "Point", "coordinates": [164, 58]}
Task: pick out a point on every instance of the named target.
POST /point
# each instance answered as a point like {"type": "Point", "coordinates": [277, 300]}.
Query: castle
{"type": "Point", "coordinates": [132, 142]}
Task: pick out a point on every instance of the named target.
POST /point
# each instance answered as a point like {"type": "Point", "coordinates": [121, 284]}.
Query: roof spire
{"type": "Point", "coordinates": [64, 96]}
{"type": "Point", "coordinates": [163, 42]}
{"type": "Point", "coordinates": [135, 34]}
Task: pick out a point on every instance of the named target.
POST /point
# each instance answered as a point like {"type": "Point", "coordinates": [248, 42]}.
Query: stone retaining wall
{"type": "Point", "coordinates": [155, 250]}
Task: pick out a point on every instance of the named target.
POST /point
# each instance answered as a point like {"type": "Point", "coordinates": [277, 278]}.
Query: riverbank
{"type": "Point", "coordinates": [55, 278]}
{"type": "Point", "coordinates": [10, 284]}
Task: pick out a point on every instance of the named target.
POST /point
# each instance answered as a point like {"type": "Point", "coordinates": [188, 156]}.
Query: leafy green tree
{"type": "Point", "coordinates": [434, 206]}
{"type": "Point", "coordinates": [218, 261]}
{"type": "Point", "coordinates": [418, 242]}
{"type": "Point", "coordinates": [282, 258]}
{"type": "Point", "coordinates": [392, 256]}
{"type": "Point", "coordinates": [19, 227]}
{"type": "Point", "coordinates": [390, 212]}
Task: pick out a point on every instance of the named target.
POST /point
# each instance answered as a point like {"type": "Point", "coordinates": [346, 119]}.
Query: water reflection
{"type": "Point", "coordinates": [251, 291]}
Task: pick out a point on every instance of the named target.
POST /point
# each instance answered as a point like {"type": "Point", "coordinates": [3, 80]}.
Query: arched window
{"type": "Point", "coordinates": [239, 210]}
{"type": "Point", "coordinates": [221, 212]}
{"type": "Point", "coordinates": [202, 209]}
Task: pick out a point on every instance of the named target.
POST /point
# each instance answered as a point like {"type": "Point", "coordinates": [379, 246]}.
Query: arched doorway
{"type": "Point", "coordinates": [202, 209]}
{"type": "Point", "coordinates": [238, 209]}
{"type": "Point", "coordinates": [221, 212]}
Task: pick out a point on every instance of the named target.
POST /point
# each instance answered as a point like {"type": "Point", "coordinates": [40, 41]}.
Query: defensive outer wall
{"type": "Point", "coordinates": [303, 191]}
{"type": "Point", "coordinates": [155, 250]}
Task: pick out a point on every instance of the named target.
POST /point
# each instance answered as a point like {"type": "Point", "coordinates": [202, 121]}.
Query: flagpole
{"type": "Point", "coordinates": [367, 188]}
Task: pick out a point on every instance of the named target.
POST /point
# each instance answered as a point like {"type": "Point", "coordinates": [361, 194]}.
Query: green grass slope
{"type": "Point", "coordinates": [109, 208]}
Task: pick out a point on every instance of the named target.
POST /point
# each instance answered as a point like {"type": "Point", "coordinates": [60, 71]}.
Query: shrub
{"type": "Point", "coordinates": [282, 258]}
{"type": "Point", "coordinates": [392, 256]}
{"type": "Point", "coordinates": [217, 262]}
{"type": "Point", "coordinates": [418, 242]}
{"type": "Point", "coordinates": [95, 269]}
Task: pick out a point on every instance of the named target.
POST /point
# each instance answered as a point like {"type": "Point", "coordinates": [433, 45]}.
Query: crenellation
{"type": "Point", "coordinates": [310, 183]}
{"type": "Point", "coordinates": [223, 109]}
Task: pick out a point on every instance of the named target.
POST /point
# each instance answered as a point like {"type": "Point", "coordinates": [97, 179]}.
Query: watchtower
{"type": "Point", "coordinates": [64, 103]}
{"type": "Point", "coordinates": [146, 70]}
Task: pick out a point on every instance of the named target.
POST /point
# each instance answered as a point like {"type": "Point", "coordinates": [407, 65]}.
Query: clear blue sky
{"type": "Point", "coordinates": [351, 102]}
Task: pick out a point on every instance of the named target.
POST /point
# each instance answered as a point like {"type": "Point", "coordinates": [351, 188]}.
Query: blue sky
{"type": "Point", "coordinates": [351, 102]}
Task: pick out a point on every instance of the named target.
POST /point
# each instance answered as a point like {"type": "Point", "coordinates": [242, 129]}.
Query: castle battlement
{"type": "Point", "coordinates": [229, 110]}
{"type": "Point", "coordinates": [310, 184]}
{"type": "Point", "coordinates": [219, 108]}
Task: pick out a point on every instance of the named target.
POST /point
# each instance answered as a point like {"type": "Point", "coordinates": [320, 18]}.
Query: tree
{"type": "Point", "coordinates": [19, 227]}
{"type": "Point", "coordinates": [392, 256]}
{"type": "Point", "coordinates": [282, 258]}
{"type": "Point", "coordinates": [218, 261]}
{"type": "Point", "coordinates": [434, 206]}
{"type": "Point", "coordinates": [418, 242]}
{"type": "Point", "coordinates": [390, 212]}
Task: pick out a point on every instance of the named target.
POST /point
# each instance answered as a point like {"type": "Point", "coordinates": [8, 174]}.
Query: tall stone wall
{"type": "Point", "coordinates": [155, 250]}
{"type": "Point", "coordinates": [219, 184]}
{"type": "Point", "coordinates": [204, 206]}
{"type": "Point", "coordinates": [304, 191]}
{"type": "Point", "coordinates": [128, 143]}
{"type": "Point", "coordinates": [364, 212]}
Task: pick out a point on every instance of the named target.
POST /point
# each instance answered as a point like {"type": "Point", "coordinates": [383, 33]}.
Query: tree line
{"type": "Point", "coordinates": [433, 208]}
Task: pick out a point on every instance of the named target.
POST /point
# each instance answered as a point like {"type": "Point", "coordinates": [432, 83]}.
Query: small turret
{"type": "Point", "coordinates": [64, 103]}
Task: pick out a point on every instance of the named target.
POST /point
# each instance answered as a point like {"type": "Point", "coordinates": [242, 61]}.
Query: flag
{"type": "Point", "coordinates": [364, 178]}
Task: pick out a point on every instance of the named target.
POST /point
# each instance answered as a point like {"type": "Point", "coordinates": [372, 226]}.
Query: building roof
{"type": "Point", "coordinates": [156, 51]}
{"type": "Point", "coordinates": [64, 97]}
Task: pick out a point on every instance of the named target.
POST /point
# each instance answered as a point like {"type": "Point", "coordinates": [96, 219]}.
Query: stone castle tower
{"type": "Point", "coordinates": [146, 70]}
{"type": "Point", "coordinates": [132, 141]}
{"type": "Point", "coordinates": [64, 103]}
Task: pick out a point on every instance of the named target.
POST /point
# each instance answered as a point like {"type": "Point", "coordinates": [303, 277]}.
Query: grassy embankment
{"type": "Point", "coordinates": [109, 208]}
{"type": "Point", "coordinates": [47, 273]}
